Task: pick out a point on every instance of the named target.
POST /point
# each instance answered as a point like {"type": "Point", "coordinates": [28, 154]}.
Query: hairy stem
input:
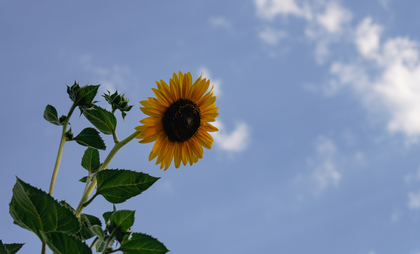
{"type": "Point", "coordinates": [104, 165]}
{"type": "Point", "coordinates": [60, 150]}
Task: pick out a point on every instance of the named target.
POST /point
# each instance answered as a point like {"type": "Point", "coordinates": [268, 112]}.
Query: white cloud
{"type": "Point", "coordinates": [272, 36]}
{"type": "Point", "coordinates": [414, 200]}
{"type": "Point", "coordinates": [235, 141]}
{"type": "Point", "coordinates": [213, 82]}
{"type": "Point", "coordinates": [324, 163]}
{"type": "Point", "coordinates": [334, 17]}
{"type": "Point", "coordinates": [269, 9]}
{"type": "Point", "coordinates": [220, 22]}
{"type": "Point", "coordinates": [387, 76]}
{"type": "Point", "coordinates": [368, 38]}
{"type": "Point", "coordinates": [111, 79]}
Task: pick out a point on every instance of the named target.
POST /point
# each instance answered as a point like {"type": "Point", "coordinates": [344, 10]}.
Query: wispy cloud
{"type": "Point", "coordinates": [272, 36]}
{"type": "Point", "coordinates": [324, 164]}
{"type": "Point", "coordinates": [220, 22]}
{"type": "Point", "coordinates": [414, 200]}
{"type": "Point", "coordinates": [325, 22]}
{"type": "Point", "coordinates": [269, 9]}
{"type": "Point", "coordinates": [334, 17]}
{"type": "Point", "coordinates": [112, 78]}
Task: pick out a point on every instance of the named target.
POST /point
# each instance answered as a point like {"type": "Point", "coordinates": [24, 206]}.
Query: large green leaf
{"type": "Point", "coordinates": [90, 137]}
{"type": "Point", "coordinates": [90, 160]}
{"type": "Point", "coordinates": [37, 211]}
{"type": "Point", "coordinates": [102, 119]}
{"type": "Point", "coordinates": [50, 114]}
{"type": "Point", "coordinates": [117, 186]}
{"type": "Point", "coordinates": [82, 96]}
{"type": "Point", "coordinates": [143, 244]}
{"type": "Point", "coordinates": [61, 243]}
{"type": "Point", "coordinates": [10, 248]}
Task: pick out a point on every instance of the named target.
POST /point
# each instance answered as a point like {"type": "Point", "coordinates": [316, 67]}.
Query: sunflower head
{"type": "Point", "coordinates": [178, 120]}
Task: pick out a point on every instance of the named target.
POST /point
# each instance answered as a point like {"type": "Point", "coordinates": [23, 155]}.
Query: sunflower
{"type": "Point", "coordinates": [178, 120]}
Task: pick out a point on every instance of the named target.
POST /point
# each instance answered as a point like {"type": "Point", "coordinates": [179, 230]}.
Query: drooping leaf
{"type": "Point", "coordinates": [88, 222]}
{"type": "Point", "coordinates": [90, 137]}
{"type": "Point", "coordinates": [101, 118]}
{"type": "Point", "coordinates": [117, 186]}
{"type": "Point", "coordinates": [50, 114]}
{"type": "Point", "coordinates": [143, 244]}
{"type": "Point", "coordinates": [90, 160]}
{"type": "Point", "coordinates": [82, 96]}
{"type": "Point", "coordinates": [12, 248]}
{"type": "Point", "coordinates": [37, 211]}
{"type": "Point", "coordinates": [61, 243]}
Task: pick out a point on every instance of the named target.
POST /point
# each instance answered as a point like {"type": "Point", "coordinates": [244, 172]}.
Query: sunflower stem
{"type": "Point", "coordinates": [44, 248]}
{"type": "Point", "coordinates": [104, 165]}
{"type": "Point", "coordinates": [60, 150]}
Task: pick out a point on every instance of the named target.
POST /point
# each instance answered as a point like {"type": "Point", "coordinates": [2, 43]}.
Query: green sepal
{"type": "Point", "coordinates": [101, 118]}
{"type": "Point", "coordinates": [69, 135]}
{"type": "Point", "coordinates": [50, 114]}
{"type": "Point", "coordinates": [61, 243]}
{"type": "Point", "coordinates": [10, 248]}
{"type": "Point", "coordinates": [82, 96]}
{"type": "Point", "coordinates": [37, 211]}
{"type": "Point", "coordinates": [88, 221]}
{"type": "Point", "coordinates": [118, 101]}
{"type": "Point", "coordinates": [90, 160]}
{"type": "Point", "coordinates": [117, 186]}
{"type": "Point", "coordinates": [90, 137]}
{"type": "Point", "coordinates": [142, 244]}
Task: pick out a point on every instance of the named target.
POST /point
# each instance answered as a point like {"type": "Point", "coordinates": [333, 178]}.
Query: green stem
{"type": "Point", "coordinates": [94, 243]}
{"type": "Point", "coordinates": [60, 150]}
{"type": "Point", "coordinates": [44, 248]}
{"type": "Point", "coordinates": [104, 165]}
{"type": "Point", "coordinates": [114, 135]}
{"type": "Point", "coordinates": [110, 239]}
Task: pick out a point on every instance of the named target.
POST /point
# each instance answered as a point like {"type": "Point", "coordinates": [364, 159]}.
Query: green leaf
{"type": "Point", "coordinates": [61, 243]}
{"type": "Point", "coordinates": [123, 219]}
{"type": "Point", "coordinates": [88, 221]}
{"type": "Point", "coordinates": [143, 244]}
{"type": "Point", "coordinates": [90, 137]}
{"type": "Point", "coordinates": [50, 114]}
{"type": "Point", "coordinates": [117, 186]}
{"type": "Point", "coordinates": [12, 248]}
{"type": "Point", "coordinates": [102, 119]}
{"type": "Point", "coordinates": [83, 179]}
{"type": "Point", "coordinates": [3, 248]}
{"type": "Point", "coordinates": [90, 160]}
{"type": "Point", "coordinates": [82, 96]}
{"type": "Point", "coordinates": [37, 211]}
{"type": "Point", "coordinates": [98, 231]}
{"type": "Point", "coordinates": [121, 222]}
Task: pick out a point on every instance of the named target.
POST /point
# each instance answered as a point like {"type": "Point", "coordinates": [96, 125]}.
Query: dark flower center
{"type": "Point", "coordinates": [181, 120]}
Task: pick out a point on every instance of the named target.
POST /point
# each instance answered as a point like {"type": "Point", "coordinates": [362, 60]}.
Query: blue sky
{"type": "Point", "coordinates": [318, 148]}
